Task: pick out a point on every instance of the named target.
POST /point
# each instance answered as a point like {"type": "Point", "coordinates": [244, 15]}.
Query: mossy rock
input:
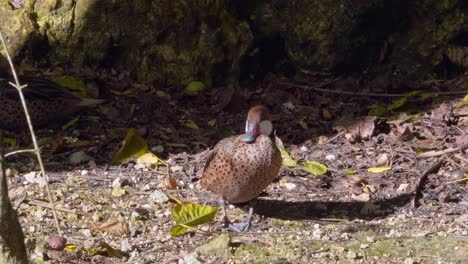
{"type": "Point", "coordinates": [169, 42]}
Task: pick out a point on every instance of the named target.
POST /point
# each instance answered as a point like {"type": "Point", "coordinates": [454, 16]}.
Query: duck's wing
{"type": "Point", "coordinates": [225, 145]}
{"type": "Point", "coordinates": [37, 87]}
{"type": "Point", "coordinates": [44, 89]}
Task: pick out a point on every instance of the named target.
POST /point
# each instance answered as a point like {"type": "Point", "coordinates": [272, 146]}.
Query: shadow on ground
{"type": "Point", "coordinates": [308, 210]}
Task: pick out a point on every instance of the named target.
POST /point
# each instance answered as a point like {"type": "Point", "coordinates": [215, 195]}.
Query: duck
{"type": "Point", "coordinates": [240, 167]}
{"type": "Point", "coordinates": [47, 102]}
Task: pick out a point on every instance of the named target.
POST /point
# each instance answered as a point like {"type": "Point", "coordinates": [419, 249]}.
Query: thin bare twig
{"type": "Point", "coordinates": [47, 205]}
{"type": "Point", "coordinates": [422, 180]}
{"type": "Point", "coordinates": [461, 158]}
{"type": "Point", "coordinates": [36, 149]}
{"type": "Point", "coordinates": [430, 154]}
{"type": "Point", "coordinates": [333, 138]}
{"type": "Point", "coordinates": [18, 152]}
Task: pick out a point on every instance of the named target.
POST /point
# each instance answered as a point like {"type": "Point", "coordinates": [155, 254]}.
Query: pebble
{"type": "Point", "coordinates": [125, 246]}
{"type": "Point", "coordinates": [345, 236]}
{"type": "Point", "coordinates": [117, 183]}
{"type": "Point", "coordinates": [317, 234]}
{"type": "Point", "coordinates": [382, 160]}
{"type": "Point", "coordinates": [176, 168]}
{"type": "Point", "coordinates": [290, 186]}
{"type": "Point", "coordinates": [351, 255]}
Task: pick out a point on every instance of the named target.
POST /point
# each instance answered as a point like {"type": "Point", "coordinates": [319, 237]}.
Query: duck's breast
{"type": "Point", "coordinates": [240, 171]}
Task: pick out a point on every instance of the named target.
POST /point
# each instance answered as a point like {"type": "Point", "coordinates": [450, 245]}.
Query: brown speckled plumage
{"type": "Point", "coordinates": [238, 171]}
{"type": "Point", "coordinates": [47, 102]}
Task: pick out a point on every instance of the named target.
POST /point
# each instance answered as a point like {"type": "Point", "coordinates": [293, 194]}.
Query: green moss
{"type": "Point", "coordinates": [170, 42]}
{"type": "Point", "coordinates": [175, 42]}
{"type": "Point", "coordinates": [288, 224]}
{"type": "Point", "coordinates": [279, 249]}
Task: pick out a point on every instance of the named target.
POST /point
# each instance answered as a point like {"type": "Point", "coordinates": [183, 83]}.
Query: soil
{"type": "Point", "coordinates": [111, 213]}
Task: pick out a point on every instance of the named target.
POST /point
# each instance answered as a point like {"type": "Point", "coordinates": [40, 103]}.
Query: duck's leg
{"type": "Point", "coordinates": [223, 206]}
{"type": "Point", "coordinates": [247, 222]}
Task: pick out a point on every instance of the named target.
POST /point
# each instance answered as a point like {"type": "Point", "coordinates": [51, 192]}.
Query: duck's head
{"type": "Point", "coordinates": [258, 123]}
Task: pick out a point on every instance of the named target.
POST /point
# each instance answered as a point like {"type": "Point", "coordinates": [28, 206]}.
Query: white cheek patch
{"type": "Point", "coordinates": [266, 127]}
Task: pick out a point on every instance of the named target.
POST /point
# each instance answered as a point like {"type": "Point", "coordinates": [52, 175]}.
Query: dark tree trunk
{"type": "Point", "coordinates": [12, 248]}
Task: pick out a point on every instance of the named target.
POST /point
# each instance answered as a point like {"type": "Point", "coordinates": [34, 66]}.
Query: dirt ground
{"type": "Point", "coordinates": [348, 215]}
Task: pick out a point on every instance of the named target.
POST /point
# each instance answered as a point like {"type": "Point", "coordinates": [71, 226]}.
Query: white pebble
{"type": "Point", "coordinates": [290, 186]}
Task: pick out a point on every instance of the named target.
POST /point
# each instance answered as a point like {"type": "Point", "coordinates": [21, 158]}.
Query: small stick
{"type": "Point", "coordinates": [460, 180]}
{"type": "Point", "coordinates": [430, 154]}
{"type": "Point", "coordinates": [333, 138]}
{"type": "Point", "coordinates": [423, 178]}
{"type": "Point", "coordinates": [461, 158]}
{"type": "Point", "coordinates": [19, 151]}
{"type": "Point", "coordinates": [47, 205]}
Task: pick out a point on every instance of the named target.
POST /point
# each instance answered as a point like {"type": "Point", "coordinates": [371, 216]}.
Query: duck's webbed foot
{"type": "Point", "coordinates": [241, 226]}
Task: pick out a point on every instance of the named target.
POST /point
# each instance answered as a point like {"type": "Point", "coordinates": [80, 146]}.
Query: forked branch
{"type": "Point", "coordinates": [36, 149]}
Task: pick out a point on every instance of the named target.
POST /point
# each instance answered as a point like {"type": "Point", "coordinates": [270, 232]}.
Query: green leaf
{"type": "Point", "coordinates": [71, 122]}
{"type": "Point", "coordinates": [350, 172]}
{"type": "Point", "coordinates": [177, 230]}
{"type": "Point", "coordinates": [118, 191]}
{"type": "Point", "coordinates": [425, 96]}
{"type": "Point", "coordinates": [11, 141]}
{"type": "Point", "coordinates": [150, 160]}
{"type": "Point", "coordinates": [412, 118]}
{"type": "Point", "coordinates": [288, 161]}
{"type": "Point", "coordinates": [70, 248]}
{"type": "Point", "coordinates": [313, 167]}
{"type": "Point", "coordinates": [188, 215]}
{"type": "Point", "coordinates": [44, 141]}
{"type": "Point", "coordinates": [406, 119]}
{"type": "Point", "coordinates": [190, 124]}
{"type": "Point", "coordinates": [72, 83]}
{"type": "Point", "coordinates": [379, 169]}
{"type": "Point", "coordinates": [398, 104]}
{"type": "Point", "coordinates": [464, 102]}
{"type": "Point", "coordinates": [133, 147]}
{"type": "Point", "coordinates": [378, 110]}
{"type": "Point", "coordinates": [194, 88]}
{"type": "Point", "coordinates": [104, 249]}
{"type": "Point", "coordinates": [415, 92]}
